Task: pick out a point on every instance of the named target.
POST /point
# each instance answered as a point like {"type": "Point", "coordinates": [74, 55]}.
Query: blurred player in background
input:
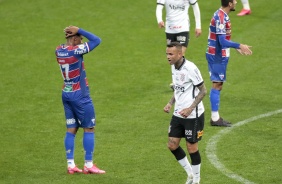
{"type": "Point", "coordinates": [188, 115]}
{"type": "Point", "coordinates": [217, 55]}
{"type": "Point", "coordinates": [78, 105]}
{"type": "Point", "coordinates": [177, 24]}
{"type": "Point", "coordinates": [246, 8]}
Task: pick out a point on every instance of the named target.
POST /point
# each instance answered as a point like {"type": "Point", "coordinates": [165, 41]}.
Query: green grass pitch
{"type": "Point", "coordinates": [129, 81]}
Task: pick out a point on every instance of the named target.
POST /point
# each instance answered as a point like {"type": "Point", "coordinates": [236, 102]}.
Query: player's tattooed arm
{"type": "Point", "coordinates": [200, 96]}
{"type": "Point", "coordinates": [169, 104]}
{"type": "Point", "coordinates": [172, 100]}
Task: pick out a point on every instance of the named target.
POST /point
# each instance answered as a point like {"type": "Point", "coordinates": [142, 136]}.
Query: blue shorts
{"type": "Point", "coordinates": [217, 71]}
{"type": "Point", "coordinates": [79, 113]}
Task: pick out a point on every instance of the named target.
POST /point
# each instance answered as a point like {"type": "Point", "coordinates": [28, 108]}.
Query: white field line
{"type": "Point", "coordinates": [211, 147]}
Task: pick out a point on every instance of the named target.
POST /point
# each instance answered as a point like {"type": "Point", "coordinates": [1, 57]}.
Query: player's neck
{"type": "Point", "coordinates": [179, 63]}
{"type": "Point", "coordinates": [225, 9]}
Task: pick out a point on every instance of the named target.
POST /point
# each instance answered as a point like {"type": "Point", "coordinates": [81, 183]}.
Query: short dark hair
{"type": "Point", "coordinates": [72, 35]}
{"type": "Point", "coordinates": [175, 44]}
{"type": "Point", "coordinates": [225, 3]}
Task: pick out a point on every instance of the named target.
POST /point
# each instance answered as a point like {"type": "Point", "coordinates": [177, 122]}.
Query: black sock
{"type": "Point", "coordinates": [195, 158]}
{"type": "Point", "coordinates": [179, 153]}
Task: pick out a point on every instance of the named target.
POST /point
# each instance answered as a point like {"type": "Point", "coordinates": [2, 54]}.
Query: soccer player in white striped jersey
{"type": "Point", "coordinates": [188, 116]}
{"type": "Point", "coordinates": [177, 24]}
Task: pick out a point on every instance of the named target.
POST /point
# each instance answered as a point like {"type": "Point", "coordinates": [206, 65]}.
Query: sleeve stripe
{"type": "Point", "coordinates": [193, 3]}
{"type": "Point", "coordinates": [160, 4]}
{"type": "Point", "coordinates": [200, 84]}
{"type": "Point", "coordinates": [88, 50]}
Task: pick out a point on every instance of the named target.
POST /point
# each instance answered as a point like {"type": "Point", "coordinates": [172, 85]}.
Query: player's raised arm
{"type": "Point", "coordinates": [94, 40]}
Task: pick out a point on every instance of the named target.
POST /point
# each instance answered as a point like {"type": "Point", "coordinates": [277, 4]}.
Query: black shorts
{"type": "Point", "coordinates": [182, 38]}
{"type": "Point", "coordinates": [191, 129]}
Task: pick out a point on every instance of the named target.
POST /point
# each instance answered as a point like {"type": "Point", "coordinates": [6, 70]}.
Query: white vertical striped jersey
{"type": "Point", "coordinates": [185, 80]}
{"type": "Point", "coordinates": [177, 19]}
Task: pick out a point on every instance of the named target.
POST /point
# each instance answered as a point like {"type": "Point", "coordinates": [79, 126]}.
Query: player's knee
{"type": "Point", "coordinates": [172, 146]}
{"type": "Point", "coordinates": [217, 86]}
{"type": "Point", "coordinates": [89, 129]}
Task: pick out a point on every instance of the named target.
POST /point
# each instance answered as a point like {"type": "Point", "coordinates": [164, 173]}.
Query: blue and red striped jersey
{"type": "Point", "coordinates": [70, 60]}
{"type": "Point", "coordinates": [219, 25]}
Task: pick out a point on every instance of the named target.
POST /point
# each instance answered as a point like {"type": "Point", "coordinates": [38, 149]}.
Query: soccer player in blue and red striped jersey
{"type": "Point", "coordinates": [78, 105]}
{"type": "Point", "coordinates": [217, 55]}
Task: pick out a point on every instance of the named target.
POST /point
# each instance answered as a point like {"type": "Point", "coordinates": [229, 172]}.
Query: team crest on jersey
{"type": "Point", "coordinates": [81, 46]}
{"type": "Point", "coordinates": [182, 77]}
{"type": "Point", "coordinates": [221, 76]}
{"type": "Point", "coordinates": [220, 28]}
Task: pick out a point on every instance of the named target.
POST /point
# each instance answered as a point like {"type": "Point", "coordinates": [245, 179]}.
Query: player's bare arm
{"type": "Point", "coordinates": [187, 111]}
{"type": "Point", "coordinates": [169, 104]}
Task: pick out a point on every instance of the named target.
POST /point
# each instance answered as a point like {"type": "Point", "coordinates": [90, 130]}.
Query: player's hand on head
{"type": "Point", "coordinates": [71, 30]}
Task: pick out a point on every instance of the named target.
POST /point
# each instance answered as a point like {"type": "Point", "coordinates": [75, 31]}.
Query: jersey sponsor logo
{"type": "Point", "coordinates": [175, 27]}
{"type": "Point", "coordinates": [200, 134]}
{"type": "Point", "coordinates": [63, 54]}
{"type": "Point", "coordinates": [177, 7]}
{"type": "Point", "coordinates": [179, 88]}
{"type": "Point", "coordinates": [68, 88]}
{"type": "Point", "coordinates": [80, 51]}
{"type": "Point", "coordinates": [70, 121]}
{"type": "Point", "coordinates": [188, 132]}
{"type": "Point", "coordinates": [181, 38]}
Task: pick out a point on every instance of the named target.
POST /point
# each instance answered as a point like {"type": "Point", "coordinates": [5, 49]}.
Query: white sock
{"type": "Point", "coordinates": [246, 4]}
{"type": "Point", "coordinates": [186, 165]}
{"type": "Point", "coordinates": [88, 164]}
{"type": "Point", "coordinates": [71, 163]}
{"type": "Point", "coordinates": [214, 115]}
{"type": "Point", "coordinates": [196, 173]}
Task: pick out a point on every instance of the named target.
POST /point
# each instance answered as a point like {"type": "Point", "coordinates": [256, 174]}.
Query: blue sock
{"type": "Point", "coordinates": [88, 144]}
{"type": "Point", "coordinates": [214, 99]}
{"type": "Point", "coordinates": [69, 145]}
